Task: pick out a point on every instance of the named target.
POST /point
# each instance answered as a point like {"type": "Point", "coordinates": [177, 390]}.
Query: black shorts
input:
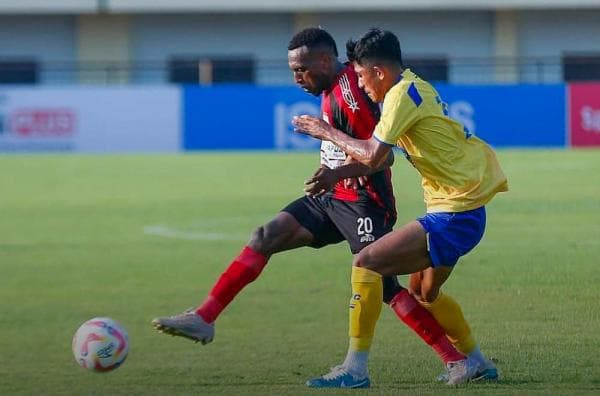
{"type": "Point", "coordinates": [332, 221]}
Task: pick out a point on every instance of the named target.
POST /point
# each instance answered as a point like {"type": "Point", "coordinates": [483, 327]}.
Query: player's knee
{"type": "Point", "coordinates": [414, 287]}
{"type": "Point", "coordinates": [429, 294]}
{"type": "Point", "coordinates": [269, 239]}
{"type": "Point", "coordinates": [415, 291]}
{"type": "Point", "coordinates": [366, 260]}
{"type": "Point", "coordinates": [356, 261]}
{"type": "Point", "coordinates": [258, 240]}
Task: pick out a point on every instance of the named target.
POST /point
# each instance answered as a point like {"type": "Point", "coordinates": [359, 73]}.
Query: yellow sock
{"type": "Point", "coordinates": [365, 307]}
{"type": "Point", "coordinates": [449, 315]}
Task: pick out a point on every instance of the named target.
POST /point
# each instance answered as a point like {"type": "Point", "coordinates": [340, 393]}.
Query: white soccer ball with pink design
{"type": "Point", "coordinates": [100, 344]}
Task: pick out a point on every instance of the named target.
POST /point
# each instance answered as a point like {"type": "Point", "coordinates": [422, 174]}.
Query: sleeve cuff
{"type": "Point", "coordinates": [383, 141]}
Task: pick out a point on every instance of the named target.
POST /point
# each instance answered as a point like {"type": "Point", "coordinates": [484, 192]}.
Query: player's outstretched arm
{"type": "Point", "coordinates": [369, 152]}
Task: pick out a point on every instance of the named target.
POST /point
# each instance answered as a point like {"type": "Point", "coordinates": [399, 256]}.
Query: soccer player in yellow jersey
{"type": "Point", "coordinates": [460, 174]}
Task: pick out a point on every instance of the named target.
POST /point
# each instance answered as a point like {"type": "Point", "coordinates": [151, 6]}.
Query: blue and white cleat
{"type": "Point", "coordinates": [488, 372]}
{"type": "Point", "coordinates": [461, 371]}
{"type": "Point", "coordinates": [338, 377]}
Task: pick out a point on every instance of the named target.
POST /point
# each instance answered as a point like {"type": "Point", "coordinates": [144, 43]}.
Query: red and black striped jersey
{"type": "Point", "coordinates": [348, 108]}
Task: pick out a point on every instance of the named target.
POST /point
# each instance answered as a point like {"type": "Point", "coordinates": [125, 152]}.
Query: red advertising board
{"type": "Point", "coordinates": [43, 122]}
{"type": "Point", "coordinates": [584, 114]}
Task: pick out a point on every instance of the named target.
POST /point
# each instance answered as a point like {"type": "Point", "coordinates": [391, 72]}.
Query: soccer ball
{"type": "Point", "coordinates": [100, 344]}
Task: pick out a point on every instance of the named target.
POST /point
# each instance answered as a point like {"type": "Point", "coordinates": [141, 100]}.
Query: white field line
{"type": "Point", "coordinates": [256, 220]}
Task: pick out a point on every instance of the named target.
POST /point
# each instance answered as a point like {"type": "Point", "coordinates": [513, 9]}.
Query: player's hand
{"type": "Point", "coordinates": [311, 126]}
{"type": "Point", "coordinates": [354, 182]}
{"type": "Point", "coordinates": [351, 183]}
{"type": "Point", "coordinates": [322, 181]}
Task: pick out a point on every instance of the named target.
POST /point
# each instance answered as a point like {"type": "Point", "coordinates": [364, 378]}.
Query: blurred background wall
{"type": "Point", "coordinates": [201, 46]}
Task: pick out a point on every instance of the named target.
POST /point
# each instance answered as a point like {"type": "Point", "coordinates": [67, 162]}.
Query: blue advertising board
{"type": "Point", "coordinates": [510, 115]}
{"type": "Point", "coordinates": [246, 117]}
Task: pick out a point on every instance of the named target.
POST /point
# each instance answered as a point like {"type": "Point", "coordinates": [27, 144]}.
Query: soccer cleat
{"type": "Point", "coordinates": [487, 373]}
{"type": "Point", "coordinates": [188, 324]}
{"type": "Point", "coordinates": [461, 371]}
{"type": "Point", "coordinates": [338, 377]}
{"type": "Point", "coordinates": [443, 377]}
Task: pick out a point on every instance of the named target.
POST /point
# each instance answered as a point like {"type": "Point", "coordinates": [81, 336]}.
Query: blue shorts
{"type": "Point", "coordinates": [451, 235]}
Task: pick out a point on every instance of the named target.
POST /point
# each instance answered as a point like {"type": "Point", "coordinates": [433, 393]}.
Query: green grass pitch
{"type": "Point", "coordinates": [133, 237]}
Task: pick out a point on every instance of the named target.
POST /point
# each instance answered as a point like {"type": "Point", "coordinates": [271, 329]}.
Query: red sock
{"type": "Point", "coordinates": [424, 324]}
{"type": "Point", "coordinates": [244, 269]}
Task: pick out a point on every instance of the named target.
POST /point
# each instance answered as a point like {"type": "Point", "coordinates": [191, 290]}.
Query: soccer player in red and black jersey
{"type": "Point", "coordinates": [345, 200]}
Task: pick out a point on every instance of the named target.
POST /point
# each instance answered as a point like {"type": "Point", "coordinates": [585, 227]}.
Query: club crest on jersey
{"type": "Point", "coordinates": [347, 93]}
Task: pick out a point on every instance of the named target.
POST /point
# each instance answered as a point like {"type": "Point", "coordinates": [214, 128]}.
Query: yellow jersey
{"type": "Point", "coordinates": [460, 171]}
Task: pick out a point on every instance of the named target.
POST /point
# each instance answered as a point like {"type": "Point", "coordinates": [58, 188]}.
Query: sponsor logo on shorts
{"type": "Point", "coordinates": [367, 238]}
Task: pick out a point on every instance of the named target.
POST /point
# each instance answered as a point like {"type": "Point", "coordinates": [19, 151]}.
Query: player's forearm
{"type": "Point", "coordinates": [356, 169]}
{"type": "Point", "coordinates": [363, 151]}
{"type": "Point", "coordinates": [370, 152]}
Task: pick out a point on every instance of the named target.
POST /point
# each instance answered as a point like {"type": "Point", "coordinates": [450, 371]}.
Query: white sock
{"type": "Point", "coordinates": [356, 363]}
{"type": "Point", "coordinates": [477, 356]}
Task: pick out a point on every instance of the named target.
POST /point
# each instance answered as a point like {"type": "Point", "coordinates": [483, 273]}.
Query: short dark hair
{"type": "Point", "coordinates": [311, 38]}
{"type": "Point", "coordinates": [375, 45]}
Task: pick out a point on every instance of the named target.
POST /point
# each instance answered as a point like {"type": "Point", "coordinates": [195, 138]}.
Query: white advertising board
{"type": "Point", "coordinates": [90, 119]}
{"type": "Point", "coordinates": [46, 6]}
